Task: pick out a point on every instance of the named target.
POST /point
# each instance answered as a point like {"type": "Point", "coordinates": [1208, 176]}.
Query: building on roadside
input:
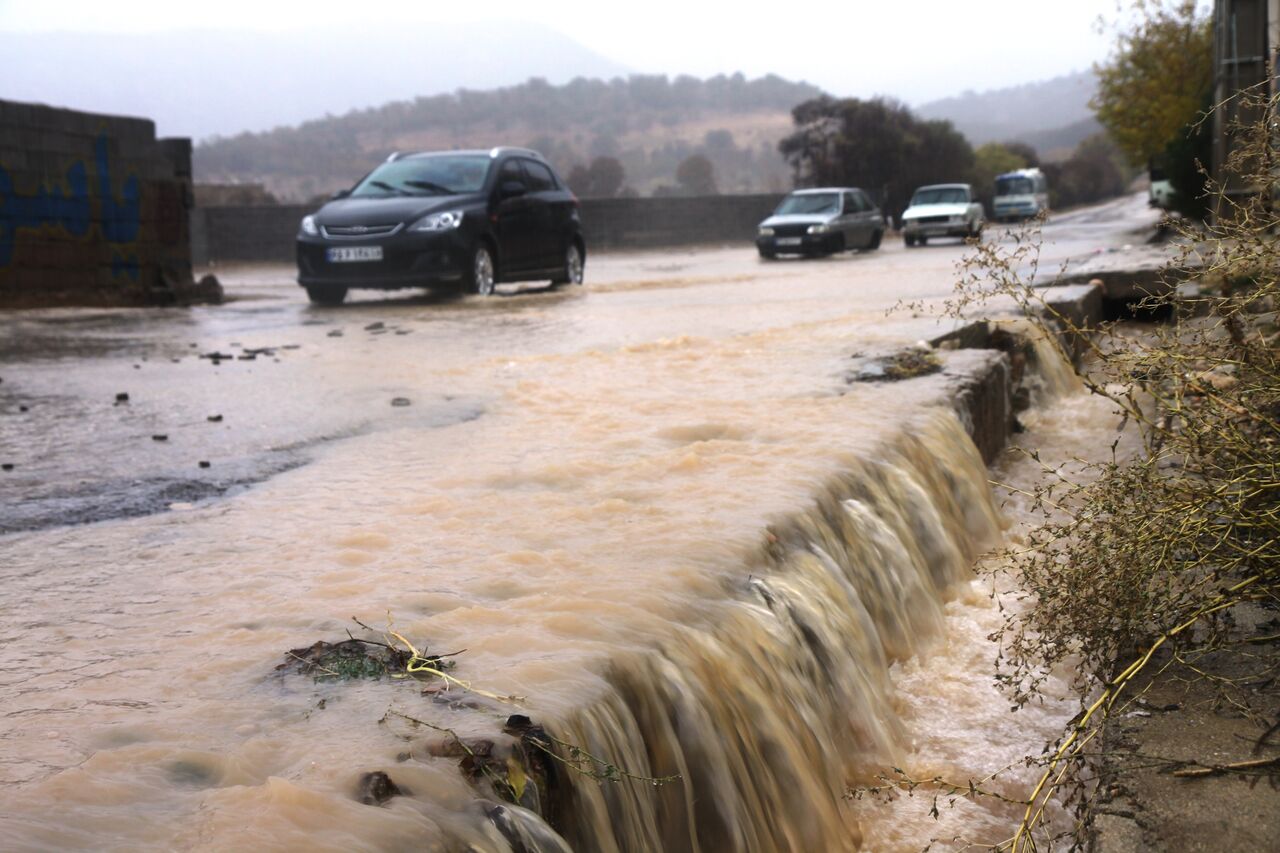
{"type": "Point", "coordinates": [1246, 48]}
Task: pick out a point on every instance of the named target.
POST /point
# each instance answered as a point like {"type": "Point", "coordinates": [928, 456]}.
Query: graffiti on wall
{"type": "Point", "coordinates": [69, 210]}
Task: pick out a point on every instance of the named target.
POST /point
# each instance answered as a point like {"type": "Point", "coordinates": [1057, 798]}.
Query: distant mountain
{"type": "Point", "coordinates": [1048, 115]}
{"type": "Point", "coordinates": [649, 123]}
{"type": "Point", "coordinates": [202, 83]}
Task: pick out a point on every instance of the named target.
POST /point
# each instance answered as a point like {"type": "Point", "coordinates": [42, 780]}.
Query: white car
{"type": "Point", "coordinates": [942, 210]}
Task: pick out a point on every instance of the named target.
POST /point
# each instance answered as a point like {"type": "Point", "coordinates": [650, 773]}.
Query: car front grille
{"type": "Point", "coordinates": [790, 230]}
{"type": "Point", "coordinates": [360, 231]}
{"type": "Point", "coordinates": [934, 220]}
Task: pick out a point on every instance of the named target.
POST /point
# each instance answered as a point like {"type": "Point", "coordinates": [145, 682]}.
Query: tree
{"type": "Point", "coordinates": [1094, 172]}
{"type": "Point", "coordinates": [989, 161]}
{"type": "Point", "coordinates": [1156, 82]}
{"type": "Point", "coordinates": [602, 179]}
{"type": "Point", "coordinates": [697, 176]}
{"type": "Point", "coordinates": [607, 177]}
{"type": "Point", "coordinates": [877, 145]}
{"type": "Point", "coordinates": [1030, 157]}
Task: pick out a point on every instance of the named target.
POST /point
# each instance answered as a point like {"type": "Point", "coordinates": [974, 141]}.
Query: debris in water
{"type": "Point", "coordinates": [203, 463]}
{"type": "Point", "coordinates": [904, 364]}
{"type": "Point", "coordinates": [7, 466]}
{"type": "Point", "coordinates": [374, 327]}
{"type": "Point", "coordinates": [122, 397]}
{"type": "Point", "coordinates": [214, 419]}
{"type": "Point", "coordinates": [376, 788]}
{"type": "Point", "coordinates": [347, 660]}
{"type": "Point", "coordinates": [159, 437]}
{"type": "Point", "coordinates": [400, 401]}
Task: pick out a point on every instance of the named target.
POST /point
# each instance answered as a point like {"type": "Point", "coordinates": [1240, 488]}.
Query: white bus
{"type": "Point", "coordinates": [1020, 195]}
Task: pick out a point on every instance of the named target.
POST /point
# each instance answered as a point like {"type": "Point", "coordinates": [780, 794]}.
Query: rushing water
{"type": "Point", "coordinates": [711, 559]}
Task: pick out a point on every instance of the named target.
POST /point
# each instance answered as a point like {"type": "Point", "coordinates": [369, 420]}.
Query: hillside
{"type": "Point", "coordinates": [650, 123]}
{"type": "Point", "coordinates": [1050, 114]}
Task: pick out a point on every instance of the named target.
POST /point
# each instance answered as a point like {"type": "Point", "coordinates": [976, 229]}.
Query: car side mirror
{"type": "Point", "coordinates": [339, 194]}
{"type": "Point", "coordinates": [511, 189]}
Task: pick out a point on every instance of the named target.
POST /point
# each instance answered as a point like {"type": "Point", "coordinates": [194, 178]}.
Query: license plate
{"type": "Point", "coordinates": [353, 254]}
{"type": "Point", "coordinates": [789, 241]}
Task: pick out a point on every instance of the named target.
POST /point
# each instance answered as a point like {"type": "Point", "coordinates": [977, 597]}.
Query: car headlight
{"type": "Point", "coordinates": [766, 232]}
{"type": "Point", "coordinates": [446, 221]}
{"type": "Point", "coordinates": [956, 220]}
{"type": "Point", "coordinates": [819, 229]}
{"type": "Point", "coordinates": [309, 226]}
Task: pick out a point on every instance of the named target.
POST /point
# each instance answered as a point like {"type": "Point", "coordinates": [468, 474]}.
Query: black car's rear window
{"type": "Point", "coordinates": [445, 174]}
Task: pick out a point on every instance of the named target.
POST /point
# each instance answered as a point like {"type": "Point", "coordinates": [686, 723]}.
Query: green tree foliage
{"type": "Point", "coordinates": [1183, 159]}
{"type": "Point", "coordinates": [1030, 157]}
{"type": "Point", "coordinates": [697, 176]}
{"type": "Point", "coordinates": [1096, 171]}
{"type": "Point", "coordinates": [877, 145]}
{"type": "Point", "coordinates": [1156, 82]}
{"type": "Point", "coordinates": [989, 161]}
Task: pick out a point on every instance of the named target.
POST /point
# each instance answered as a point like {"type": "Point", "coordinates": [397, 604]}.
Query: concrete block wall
{"type": "Point", "coordinates": [94, 210]}
{"type": "Point", "coordinates": [265, 234]}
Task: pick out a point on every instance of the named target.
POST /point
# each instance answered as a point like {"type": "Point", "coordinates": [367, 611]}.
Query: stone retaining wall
{"type": "Point", "coordinates": [94, 210]}
{"type": "Point", "coordinates": [266, 233]}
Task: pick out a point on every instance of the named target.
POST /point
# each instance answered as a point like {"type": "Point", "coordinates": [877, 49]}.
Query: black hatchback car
{"type": "Point", "coordinates": [462, 218]}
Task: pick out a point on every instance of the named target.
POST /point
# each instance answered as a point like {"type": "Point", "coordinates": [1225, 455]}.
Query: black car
{"type": "Point", "coordinates": [468, 218]}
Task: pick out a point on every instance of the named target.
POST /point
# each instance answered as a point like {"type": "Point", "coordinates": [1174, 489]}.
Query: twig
{"type": "Point", "coordinates": [1218, 769]}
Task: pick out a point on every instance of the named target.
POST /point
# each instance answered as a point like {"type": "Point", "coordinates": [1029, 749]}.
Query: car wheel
{"type": "Point", "coordinates": [922, 240]}
{"type": "Point", "coordinates": [573, 267]}
{"type": "Point", "coordinates": [875, 240]}
{"type": "Point", "coordinates": [909, 241]}
{"type": "Point", "coordinates": [482, 274]}
{"type": "Point", "coordinates": [768, 254]}
{"type": "Point", "coordinates": [326, 294]}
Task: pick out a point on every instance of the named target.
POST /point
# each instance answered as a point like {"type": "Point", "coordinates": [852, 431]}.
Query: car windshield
{"type": "Point", "coordinates": [809, 203]}
{"type": "Point", "coordinates": [1013, 186]}
{"type": "Point", "coordinates": [438, 175]}
{"type": "Point", "coordinates": [940, 195]}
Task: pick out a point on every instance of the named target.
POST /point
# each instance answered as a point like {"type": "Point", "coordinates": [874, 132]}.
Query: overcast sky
{"type": "Point", "coordinates": [916, 51]}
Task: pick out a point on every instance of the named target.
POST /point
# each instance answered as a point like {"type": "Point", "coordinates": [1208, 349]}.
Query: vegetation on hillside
{"type": "Point", "coordinates": [648, 124]}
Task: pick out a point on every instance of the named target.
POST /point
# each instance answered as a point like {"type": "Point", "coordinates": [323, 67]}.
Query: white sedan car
{"type": "Point", "coordinates": [942, 210]}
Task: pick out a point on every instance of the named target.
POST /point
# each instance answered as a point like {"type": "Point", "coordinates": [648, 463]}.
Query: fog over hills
{"type": "Point", "coordinates": [201, 83]}
{"type": "Point", "coordinates": [1049, 114]}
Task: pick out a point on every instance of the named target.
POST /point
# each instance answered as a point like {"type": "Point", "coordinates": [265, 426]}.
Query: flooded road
{"type": "Point", "coordinates": [653, 509]}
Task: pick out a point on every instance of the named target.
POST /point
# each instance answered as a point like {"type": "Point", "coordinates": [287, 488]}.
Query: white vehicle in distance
{"type": "Point", "coordinates": [821, 222]}
{"type": "Point", "coordinates": [1020, 195]}
{"type": "Point", "coordinates": [942, 210]}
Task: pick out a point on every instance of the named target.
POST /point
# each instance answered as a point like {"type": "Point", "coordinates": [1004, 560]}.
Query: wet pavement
{"type": "Point", "coordinates": [219, 398]}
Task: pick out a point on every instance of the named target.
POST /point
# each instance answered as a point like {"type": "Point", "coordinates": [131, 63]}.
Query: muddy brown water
{"type": "Point", "coordinates": [698, 555]}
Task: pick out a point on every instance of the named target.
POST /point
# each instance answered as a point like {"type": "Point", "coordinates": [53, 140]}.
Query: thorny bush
{"type": "Point", "coordinates": [1158, 552]}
